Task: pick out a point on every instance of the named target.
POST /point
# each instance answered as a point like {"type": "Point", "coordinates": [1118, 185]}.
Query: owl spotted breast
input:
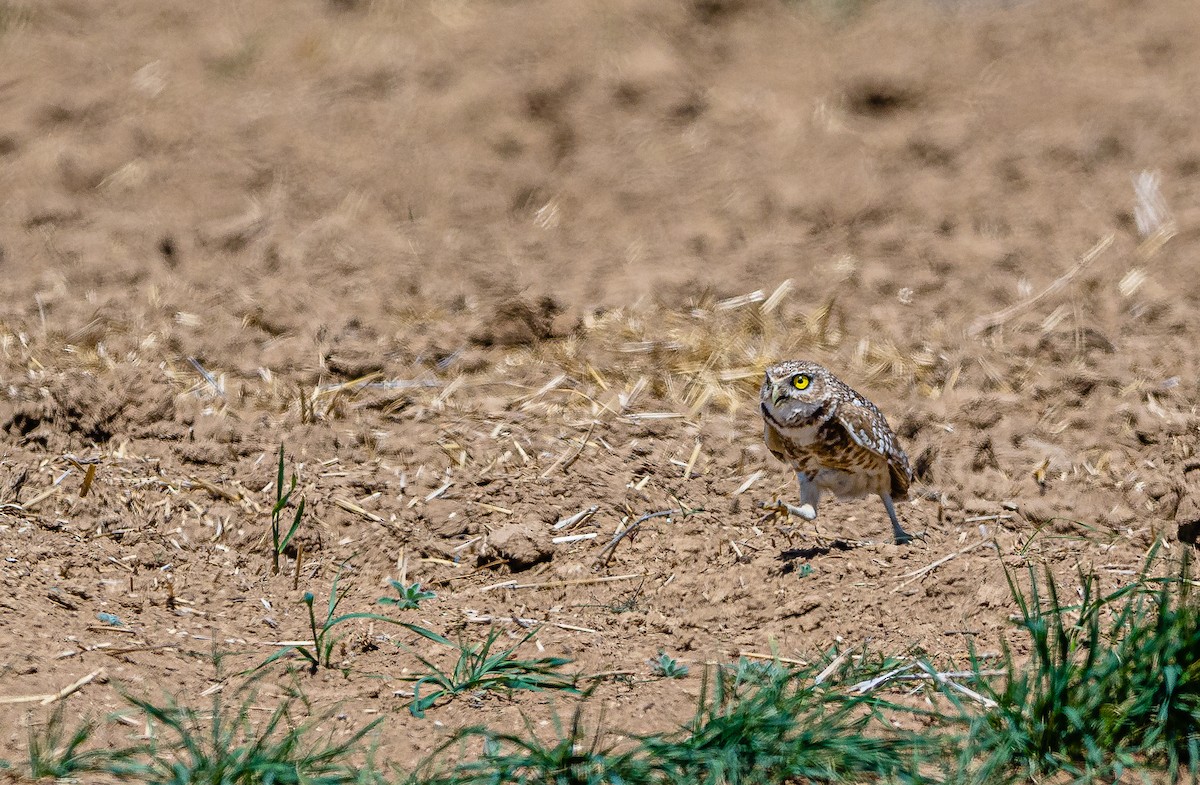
{"type": "Point", "coordinates": [833, 438]}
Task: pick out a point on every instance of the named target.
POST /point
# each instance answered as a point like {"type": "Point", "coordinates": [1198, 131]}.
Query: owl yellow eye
{"type": "Point", "coordinates": [801, 381]}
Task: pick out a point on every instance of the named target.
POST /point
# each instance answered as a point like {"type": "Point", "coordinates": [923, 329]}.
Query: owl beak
{"type": "Point", "coordinates": [778, 393]}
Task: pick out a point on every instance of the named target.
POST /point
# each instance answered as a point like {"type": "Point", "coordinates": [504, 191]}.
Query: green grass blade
{"type": "Point", "coordinates": [287, 538]}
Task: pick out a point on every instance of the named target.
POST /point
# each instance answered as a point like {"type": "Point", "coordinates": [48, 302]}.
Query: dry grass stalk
{"type": "Point", "coordinates": [566, 460]}
{"type": "Point", "coordinates": [781, 291]}
{"type": "Point", "coordinates": [750, 655]}
{"type": "Point", "coordinates": [991, 321]}
{"type": "Point", "coordinates": [350, 506]}
{"type": "Point", "coordinates": [745, 486]}
{"type": "Point", "coordinates": [88, 467]}
{"type": "Point", "coordinates": [41, 497]}
{"type": "Point", "coordinates": [527, 623]}
{"type": "Point", "coordinates": [605, 555]}
{"type": "Point", "coordinates": [691, 464]}
{"type": "Point", "coordinates": [211, 380]}
{"type": "Point", "coordinates": [576, 582]}
{"type": "Point", "coordinates": [741, 301]}
{"type": "Point", "coordinates": [986, 702]}
{"type": "Point", "coordinates": [348, 386]}
{"type": "Point", "coordinates": [492, 507]}
{"type": "Point", "coordinates": [1154, 221]}
{"type": "Point", "coordinates": [916, 574]}
{"type": "Point", "coordinates": [569, 538]}
{"type": "Point", "coordinates": [578, 517]}
{"type": "Point", "coordinates": [47, 699]}
{"type": "Point", "coordinates": [832, 667]}
{"type": "Point", "coordinates": [215, 490]}
{"type": "Point", "coordinates": [547, 387]}
{"type": "Point", "coordinates": [501, 585]}
{"type": "Point", "coordinates": [439, 491]}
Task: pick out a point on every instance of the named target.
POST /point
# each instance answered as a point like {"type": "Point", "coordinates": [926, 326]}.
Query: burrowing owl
{"type": "Point", "coordinates": [833, 438]}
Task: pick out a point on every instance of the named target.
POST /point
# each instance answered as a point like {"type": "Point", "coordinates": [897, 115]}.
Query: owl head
{"type": "Point", "coordinates": [794, 390]}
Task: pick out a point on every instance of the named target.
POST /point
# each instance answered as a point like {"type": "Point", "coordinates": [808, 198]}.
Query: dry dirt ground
{"type": "Point", "coordinates": [481, 266]}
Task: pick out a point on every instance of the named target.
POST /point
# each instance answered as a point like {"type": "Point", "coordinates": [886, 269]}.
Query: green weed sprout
{"type": "Point", "coordinates": [410, 597]}
{"type": "Point", "coordinates": [319, 654]}
{"type": "Point", "coordinates": [224, 746]}
{"type": "Point", "coordinates": [765, 724]}
{"type": "Point", "coordinates": [282, 498]}
{"type": "Point", "coordinates": [55, 752]}
{"type": "Point", "coordinates": [479, 668]}
{"type": "Point", "coordinates": [573, 756]}
{"type": "Point", "coordinates": [666, 667]}
{"type": "Point", "coordinates": [1112, 687]}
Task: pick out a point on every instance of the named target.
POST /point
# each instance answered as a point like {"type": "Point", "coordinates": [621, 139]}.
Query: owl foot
{"type": "Point", "coordinates": [805, 511]}
{"type": "Point", "coordinates": [905, 538]}
{"type": "Point", "coordinates": [784, 509]}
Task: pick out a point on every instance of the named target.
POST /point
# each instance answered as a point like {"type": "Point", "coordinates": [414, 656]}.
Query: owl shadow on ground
{"type": "Point", "coordinates": [791, 556]}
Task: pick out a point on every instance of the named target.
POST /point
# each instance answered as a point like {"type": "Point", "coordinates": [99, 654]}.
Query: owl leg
{"type": "Point", "coordinates": [902, 537]}
{"type": "Point", "coordinates": [810, 497]}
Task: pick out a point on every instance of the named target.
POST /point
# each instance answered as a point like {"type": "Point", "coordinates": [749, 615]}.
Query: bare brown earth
{"type": "Point", "coordinates": [472, 262]}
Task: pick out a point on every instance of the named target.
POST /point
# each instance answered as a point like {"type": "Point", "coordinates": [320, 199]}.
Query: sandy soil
{"type": "Point", "coordinates": [481, 266]}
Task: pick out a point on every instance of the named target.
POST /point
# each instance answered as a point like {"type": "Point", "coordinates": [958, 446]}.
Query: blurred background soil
{"type": "Point", "coordinates": [483, 265]}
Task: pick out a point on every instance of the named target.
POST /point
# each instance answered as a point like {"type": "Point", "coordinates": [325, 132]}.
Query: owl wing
{"type": "Point", "coordinates": [868, 428]}
{"type": "Point", "coordinates": [774, 441]}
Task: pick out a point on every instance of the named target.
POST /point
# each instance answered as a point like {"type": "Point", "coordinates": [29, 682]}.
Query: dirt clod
{"type": "Point", "coordinates": [1187, 517]}
{"type": "Point", "coordinates": [518, 322]}
{"type": "Point", "coordinates": [519, 547]}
